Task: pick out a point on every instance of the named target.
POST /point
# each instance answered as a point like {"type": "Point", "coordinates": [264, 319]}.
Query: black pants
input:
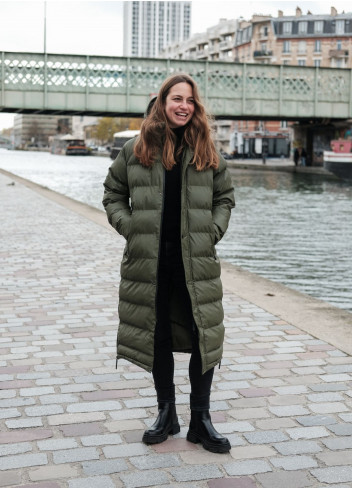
{"type": "Point", "coordinates": [171, 275]}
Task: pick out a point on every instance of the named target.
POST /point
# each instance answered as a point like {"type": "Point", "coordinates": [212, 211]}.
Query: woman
{"type": "Point", "coordinates": [170, 195]}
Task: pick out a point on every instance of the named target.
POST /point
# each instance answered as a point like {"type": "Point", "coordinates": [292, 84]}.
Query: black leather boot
{"type": "Point", "coordinates": [201, 430]}
{"type": "Point", "coordinates": [165, 424]}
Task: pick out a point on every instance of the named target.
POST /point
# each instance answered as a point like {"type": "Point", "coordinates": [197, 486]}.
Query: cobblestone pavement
{"type": "Point", "coordinates": [69, 419]}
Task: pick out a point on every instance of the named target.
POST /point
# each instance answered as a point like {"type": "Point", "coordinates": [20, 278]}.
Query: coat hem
{"type": "Point", "coordinates": [135, 362]}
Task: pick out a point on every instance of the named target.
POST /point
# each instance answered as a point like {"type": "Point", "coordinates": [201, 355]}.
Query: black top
{"type": "Point", "coordinates": [171, 224]}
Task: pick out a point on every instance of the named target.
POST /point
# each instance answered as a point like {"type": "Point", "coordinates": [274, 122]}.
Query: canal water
{"type": "Point", "coordinates": [291, 228]}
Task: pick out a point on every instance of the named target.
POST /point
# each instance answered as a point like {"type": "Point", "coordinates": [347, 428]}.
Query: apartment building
{"type": "Point", "coordinates": [35, 129]}
{"type": "Point", "coordinates": [216, 44]}
{"type": "Point", "coordinates": [151, 26]}
{"type": "Point", "coordinates": [299, 40]}
{"type": "Point", "coordinates": [303, 40]}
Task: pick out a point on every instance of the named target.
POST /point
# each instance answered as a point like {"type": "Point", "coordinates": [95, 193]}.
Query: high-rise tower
{"type": "Point", "coordinates": [151, 26]}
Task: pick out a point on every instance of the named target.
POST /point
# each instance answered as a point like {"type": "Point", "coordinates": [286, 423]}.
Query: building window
{"type": "Point", "coordinates": [287, 47]}
{"type": "Point", "coordinates": [302, 47]}
{"type": "Point", "coordinates": [286, 62]}
{"type": "Point", "coordinates": [339, 44]}
{"type": "Point", "coordinates": [317, 46]}
{"type": "Point", "coordinates": [284, 125]}
{"type": "Point", "coordinates": [302, 27]}
{"type": "Point", "coordinates": [301, 62]}
{"type": "Point", "coordinates": [318, 26]}
{"type": "Point", "coordinates": [317, 62]}
{"type": "Point", "coordinates": [287, 28]}
{"type": "Point", "coordinates": [340, 27]}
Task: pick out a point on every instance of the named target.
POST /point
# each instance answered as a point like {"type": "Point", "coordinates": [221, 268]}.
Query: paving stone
{"type": "Point", "coordinates": [57, 444]}
{"type": "Point", "coordinates": [307, 432]}
{"type": "Point", "coordinates": [9, 413]}
{"type": "Point", "coordinates": [328, 407]}
{"type": "Point", "coordinates": [294, 410]}
{"type": "Point", "coordinates": [251, 392]}
{"type": "Point", "coordinates": [102, 467]}
{"type": "Point", "coordinates": [325, 397]}
{"type": "Point", "coordinates": [146, 462]}
{"type": "Point", "coordinates": [53, 472]}
{"type": "Point", "coordinates": [24, 460]}
{"type": "Point", "coordinates": [44, 410]}
{"type": "Point", "coordinates": [294, 463]}
{"type": "Point", "coordinates": [24, 423]}
{"type": "Point", "coordinates": [103, 481]}
{"type": "Point", "coordinates": [340, 457]}
{"type": "Point", "coordinates": [232, 482]}
{"type": "Point", "coordinates": [248, 467]}
{"type": "Point", "coordinates": [88, 407]}
{"type": "Point", "coordinates": [61, 419]}
{"type": "Point", "coordinates": [281, 479]}
{"type": "Point", "coordinates": [344, 429]}
{"type": "Point", "coordinates": [260, 437]}
{"type": "Point", "coordinates": [144, 479]}
{"type": "Point", "coordinates": [128, 450]}
{"type": "Point", "coordinates": [10, 478]}
{"type": "Point", "coordinates": [340, 443]}
{"type": "Point", "coordinates": [333, 475]}
{"type": "Point", "coordinates": [25, 435]}
{"type": "Point", "coordinates": [297, 447]}
{"type": "Point", "coordinates": [106, 439]}
{"type": "Point", "coordinates": [196, 472]}
{"type": "Point", "coordinates": [329, 387]}
{"type": "Point", "coordinates": [75, 455]}
{"type": "Point", "coordinates": [316, 420]}
{"type": "Point", "coordinates": [13, 449]}
{"type": "Point", "coordinates": [248, 452]}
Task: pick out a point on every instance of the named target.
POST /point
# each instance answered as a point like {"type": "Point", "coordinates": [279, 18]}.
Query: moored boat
{"type": "Point", "coordinates": [68, 145]}
{"type": "Point", "coordinates": [339, 160]}
{"type": "Point", "coordinates": [77, 147]}
{"type": "Point", "coordinates": [120, 138]}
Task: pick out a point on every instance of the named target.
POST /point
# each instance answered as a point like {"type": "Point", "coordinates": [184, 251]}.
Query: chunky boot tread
{"type": "Point", "coordinates": [207, 444]}
{"type": "Point", "coordinates": [165, 424]}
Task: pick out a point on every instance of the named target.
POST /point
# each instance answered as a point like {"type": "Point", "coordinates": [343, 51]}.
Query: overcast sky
{"type": "Point", "coordinates": [96, 27]}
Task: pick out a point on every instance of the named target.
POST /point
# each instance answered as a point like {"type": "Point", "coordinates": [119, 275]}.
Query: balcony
{"type": "Point", "coordinates": [226, 44]}
{"type": "Point", "coordinates": [338, 53]}
{"type": "Point", "coordinates": [262, 54]}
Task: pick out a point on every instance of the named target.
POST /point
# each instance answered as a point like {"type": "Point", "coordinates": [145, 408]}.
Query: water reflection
{"type": "Point", "coordinates": [291, 228]}
{"type": "Point", "coordinates": [294, 229]}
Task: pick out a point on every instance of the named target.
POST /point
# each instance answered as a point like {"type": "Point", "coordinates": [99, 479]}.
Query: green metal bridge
{"type": "Point", "coordinates": [72, 84]}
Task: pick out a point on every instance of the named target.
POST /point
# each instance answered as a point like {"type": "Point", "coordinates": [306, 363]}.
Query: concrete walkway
{"type": "Point", "coordinates": [69, 419]}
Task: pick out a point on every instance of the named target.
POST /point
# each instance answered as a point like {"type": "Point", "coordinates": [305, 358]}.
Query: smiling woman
{"type": "Point", "coordinates": [170, 195]}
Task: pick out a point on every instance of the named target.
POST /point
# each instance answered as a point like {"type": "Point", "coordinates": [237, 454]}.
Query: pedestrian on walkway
{"type": "Point", "coordinates": [170, 195]}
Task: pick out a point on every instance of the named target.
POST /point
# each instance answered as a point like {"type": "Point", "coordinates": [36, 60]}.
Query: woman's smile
{"type": "Point", "coordinates": [179, 105]}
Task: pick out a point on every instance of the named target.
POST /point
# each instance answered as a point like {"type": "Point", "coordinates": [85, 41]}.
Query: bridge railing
{"type": "Point", "coordinates": [120, 84]}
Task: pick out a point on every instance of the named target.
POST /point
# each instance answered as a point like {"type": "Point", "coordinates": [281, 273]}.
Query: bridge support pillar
{"type": "Point", "coordinates": [315, 137]}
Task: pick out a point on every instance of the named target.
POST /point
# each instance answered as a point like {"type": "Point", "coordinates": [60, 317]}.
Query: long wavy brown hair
{"type": "Point", "coordinates": [157, 136]}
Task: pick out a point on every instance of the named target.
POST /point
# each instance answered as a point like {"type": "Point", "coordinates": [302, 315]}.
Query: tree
{"type": "Point", "coordinates": [105, 129]}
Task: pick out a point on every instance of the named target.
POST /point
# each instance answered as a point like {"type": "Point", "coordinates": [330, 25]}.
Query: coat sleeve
{"type": "Point", "coordinates": [223, 199]}
{"type": "Point", "coordinates": [117, 195]}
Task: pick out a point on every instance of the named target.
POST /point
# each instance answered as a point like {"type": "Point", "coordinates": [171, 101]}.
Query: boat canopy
{"type": "Point", "coordinates": [127, 134]}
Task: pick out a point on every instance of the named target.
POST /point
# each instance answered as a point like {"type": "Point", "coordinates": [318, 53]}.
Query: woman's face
{"type": "Point", "coordinates": [179, 105]}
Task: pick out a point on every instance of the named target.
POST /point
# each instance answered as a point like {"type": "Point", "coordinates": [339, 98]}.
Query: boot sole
{"type": "Point", "coordinates": [207, 445]}
{"type": "Point", "coordinates": [153, 439]}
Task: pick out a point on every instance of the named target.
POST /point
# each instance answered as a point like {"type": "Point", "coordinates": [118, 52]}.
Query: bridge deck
{"type": "Point", "coordinates": [72, 84]}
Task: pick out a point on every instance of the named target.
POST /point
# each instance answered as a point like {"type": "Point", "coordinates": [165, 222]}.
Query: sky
{"type": "Point", "coordinates": [95, 27]}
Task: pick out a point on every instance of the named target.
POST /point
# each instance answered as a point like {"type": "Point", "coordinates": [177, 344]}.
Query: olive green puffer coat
{"type": "Point", "coordinates": [133, 200]}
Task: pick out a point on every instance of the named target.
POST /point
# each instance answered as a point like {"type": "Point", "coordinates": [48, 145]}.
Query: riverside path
{"type": "Point", "coordinates": [283, 395]}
